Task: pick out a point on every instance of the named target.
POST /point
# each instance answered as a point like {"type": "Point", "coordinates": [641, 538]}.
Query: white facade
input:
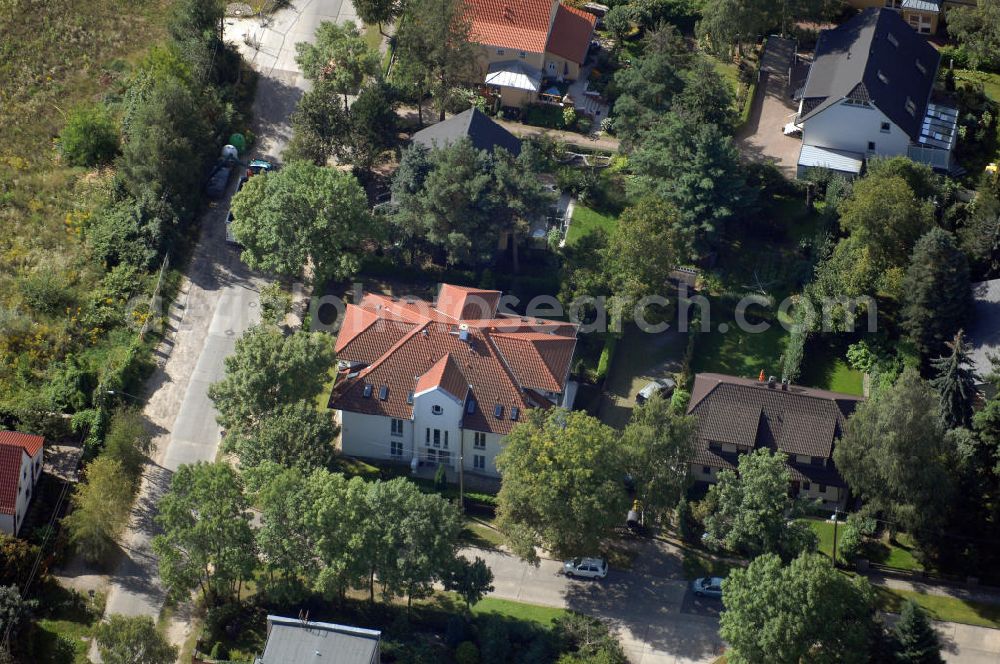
{"type": "Point", "coordinates": [433, 436]}
{"type": "Point", "coordinates": [31, 469]}
{"type": "Point", "coordinates": [862, 129]}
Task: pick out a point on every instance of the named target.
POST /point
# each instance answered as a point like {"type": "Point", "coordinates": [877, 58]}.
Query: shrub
{"type": "Point", "coordinates": [568, 117]}
{"type": "Point", "coordinates": [467, 653]}
{"type": "Point", "coordinates": [90, 137]}
{"type": "Point", "coordinates": [440, 478]}
{"type": "Point", "coordinates": [494, 641]}
{"type": "Point", "coordinates": [607, 354]}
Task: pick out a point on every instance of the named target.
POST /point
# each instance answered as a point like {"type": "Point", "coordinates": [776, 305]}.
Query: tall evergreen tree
{"type": "Point", "coordinates": [955, 382]}
{"type": "Point", "coordinates": [918, 642]}
{"type": "Point", "coordinates": [937, 292]}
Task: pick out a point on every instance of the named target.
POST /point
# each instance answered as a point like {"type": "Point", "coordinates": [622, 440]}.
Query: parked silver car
{"type": "Point", "coordinates": [708, 587]}
{"type": "Point", "coordinates": [662, 386]}
{"type": "Point", "coordinates": [587, 568]}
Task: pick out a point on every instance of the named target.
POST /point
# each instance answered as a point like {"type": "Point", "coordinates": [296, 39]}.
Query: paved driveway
{"type": "Point", "coordinates": [762, 137]}
{"type": "Point", "coordinates": [657, 618]}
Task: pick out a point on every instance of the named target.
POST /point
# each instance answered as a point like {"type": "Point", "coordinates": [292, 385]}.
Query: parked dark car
{"type": "Point", "coordinates": [219, 180]}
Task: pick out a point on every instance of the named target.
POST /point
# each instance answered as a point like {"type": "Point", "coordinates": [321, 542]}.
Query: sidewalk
{"type": "Point", "coordinates": [982, 595]}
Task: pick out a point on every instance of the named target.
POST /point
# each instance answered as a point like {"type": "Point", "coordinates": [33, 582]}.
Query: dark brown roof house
{"type": "Point", "coordinates": [739, 415]}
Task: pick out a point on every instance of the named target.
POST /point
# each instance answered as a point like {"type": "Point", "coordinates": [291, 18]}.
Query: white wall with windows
{"type": "Point", "coordinates": [855, 128]}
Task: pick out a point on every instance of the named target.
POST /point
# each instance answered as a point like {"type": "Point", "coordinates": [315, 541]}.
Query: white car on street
{"type": "Point", "coordinates": [587, 568]}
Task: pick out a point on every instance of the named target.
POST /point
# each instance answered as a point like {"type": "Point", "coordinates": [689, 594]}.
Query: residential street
{"type": "Point", "coordinates": [218, 301]}
{"type": "Point", "coordinates": [659, 620]}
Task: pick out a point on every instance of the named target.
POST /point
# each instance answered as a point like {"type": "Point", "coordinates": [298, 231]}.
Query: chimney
{"type": "Point", "coordinates": [784, 385]}
{"type": "Point", "coordinates": [771, 381]}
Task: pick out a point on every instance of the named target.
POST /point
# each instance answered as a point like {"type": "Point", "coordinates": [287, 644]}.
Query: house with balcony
{"type": "Point", "coordinates": [924, 16]}
{"type": "Point", "coordinates": [738, 415]}
{"type": "Point", "coordinates": [444, 382]}
{"type": "Point", "coordinates": [20, 467]}
{"type": "Point", "coordinates": [869, 93]}
{"type": "Point", "coordinates": [525, 43]}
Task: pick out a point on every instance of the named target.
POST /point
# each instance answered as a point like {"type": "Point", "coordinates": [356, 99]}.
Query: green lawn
{"type": "Point", "coordinates": [586, 221]}
{"type": "Point", "coordinates": [824, 366]}
{"type": "Point", "coordinates": [737, 352]}
{"type": "Point", "coordinates": [61, 642]}
{"type": "Point", "coordinates": [990, 81]}
{"type": "Point", "coordinates": [899, 554]}
{"type": "Point", "coordinates": [949, 609]}
{"type": "Point", "coordinates": [824, 530]}
{"type": "Point", "coordinates": [477, 533]}
{"type": "Point", "coordinates": [730, 72]}
{"type": "Point", "coordinates": [543, 615]}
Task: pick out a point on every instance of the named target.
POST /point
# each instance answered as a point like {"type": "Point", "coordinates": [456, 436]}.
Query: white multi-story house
{"type": "Point", "coordinates": [868, 93]}
{"type": "Point", "coordinates": [20, 468]}
{"type": "Point", "coordinates": [443, 381]}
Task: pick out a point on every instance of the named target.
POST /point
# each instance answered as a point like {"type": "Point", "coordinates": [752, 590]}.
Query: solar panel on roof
{"type": "Point", "coordinates": [498, 411]}
{"type": "Point", "coordinates": [383, 392]}
{"type": "Point", "coordinates": [367, 393]}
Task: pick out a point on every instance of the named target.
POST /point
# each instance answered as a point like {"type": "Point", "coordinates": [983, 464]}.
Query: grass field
{"type": "Point", "coordinates": [586, 221]}
{"type": "Point", "coordinates": [543, 615]}
{"type": "Point", "coordinates": [989, 80]}
{"type": "Point", "coordinates": [899, 554]}
{"type": "Point", "coordinates": [949, 609]}
{"type": "Point", "coordinates": [735, 351]}
{"type": "Point", "coordinates": [824, 530]}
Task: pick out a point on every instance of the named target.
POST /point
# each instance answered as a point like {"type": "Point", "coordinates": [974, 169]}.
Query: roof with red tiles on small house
{"type": "Point", "coordinates": [571, 33]}
{"type": "Point", "coordinates": [520, 25]}
{"type": "Point", "coordinates": [461, 303]}
{"type": "Point", "coordinates": [464, 357]}
{"type": "Point", "coordinates": [29, 442]}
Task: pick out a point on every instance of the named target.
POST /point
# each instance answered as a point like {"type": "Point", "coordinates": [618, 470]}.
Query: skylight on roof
{"type": "Point", "coordinates": [515, 412]}
{"type": "Point", "coordinates": [383, 392]}
{"type": "Point", "coordinates": [920, 67]}
{"type": "Point", "coordinates": [892, 39]}
{"type": "Point", "coordinates": [882, 77]}
{"type": "Point", "coordinates": [409, 398]}
{"type": "Point", "coordinates": [498, 411]}
{"type": "Point", "coordinates": [367, 393]}
{"type": "Point", "coordinates": [911, 107]}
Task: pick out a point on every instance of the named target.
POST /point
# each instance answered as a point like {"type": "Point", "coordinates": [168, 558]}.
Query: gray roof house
{"type": "Point", "coordinates": [294, 641]}
{"type": "Point", "coordinates": [983, 334]}
{"type": "Point", "coordinates": [473, 124]}
{"type": "Point", "coordinates": [739, 415]}
{"type": "Point", "coordinates": [868, 93]}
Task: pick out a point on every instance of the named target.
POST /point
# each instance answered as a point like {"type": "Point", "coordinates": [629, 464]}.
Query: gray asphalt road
{"type": "Point", "coordinates": [657, 618]}
{"type": "Point", "coordinates": [217, 303]}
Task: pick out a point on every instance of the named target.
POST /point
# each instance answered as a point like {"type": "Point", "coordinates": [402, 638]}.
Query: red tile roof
{"type": "Point", "coordinates": [531, 25]}
{"type": "Point", "coordinates": [12, 445]}
{"type": "Point", "coordinates": [571, 32]}
{"type": "Point", "coordinates": [540, 361]}
{"type": "Point", "coordinates": [433, 353]}
{"type": "Point", "coordinates": [10, 470]}
{"type": "Point", "coordinates": [521, 25]}
{"type": "Point", "coordinates": [30, 443]}
{"type": "Point", "coordinates": [446, 375]}
{"type": "Point", "coordinates": [460, 303]}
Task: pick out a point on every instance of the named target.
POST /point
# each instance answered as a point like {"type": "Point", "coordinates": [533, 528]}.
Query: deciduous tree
{"type": "Point", "coordinates": [805, 612]}
{"type": "Point", "coordinates": [752, 508]}
{"type": "Point", "coordinates": [894, 456]}
{"type": "Point", "coordinates": [303, 213]}
{"type": "Point", "coordinates": [561, 484]}
{"type": "Point", "coordinates": [132, 640]}
{"type": "Point", "coordinates": [379, 12]}
{"type": "Point", "coordinates": [471, 580]}
{"type": "Point", "coordinates": [207, 543]}
{"type": "Point", "coordinates": [977, 28]}
{"type": "Point", "coordinates": [296, 434]}
{"type": "Point", "coordinates": [658, 443]}
{"type": "Point", "coordinates": [101, 507]}
{"type": "Point", "coordinates": [339, 58]}
{"type": "Point", "coordinates": [128, 441]}
{"type": "Point", "coordinates": [269, 370]}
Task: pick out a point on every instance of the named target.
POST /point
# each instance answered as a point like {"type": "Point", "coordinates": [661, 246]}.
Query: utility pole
{"type": "Point", "coordinates": [836, 520]}
{"type": "Point", "coordinates": [461, 471]}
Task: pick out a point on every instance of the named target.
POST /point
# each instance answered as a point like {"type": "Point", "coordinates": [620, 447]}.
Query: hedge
{"type": "Point", "coordinates": [607, 354]}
